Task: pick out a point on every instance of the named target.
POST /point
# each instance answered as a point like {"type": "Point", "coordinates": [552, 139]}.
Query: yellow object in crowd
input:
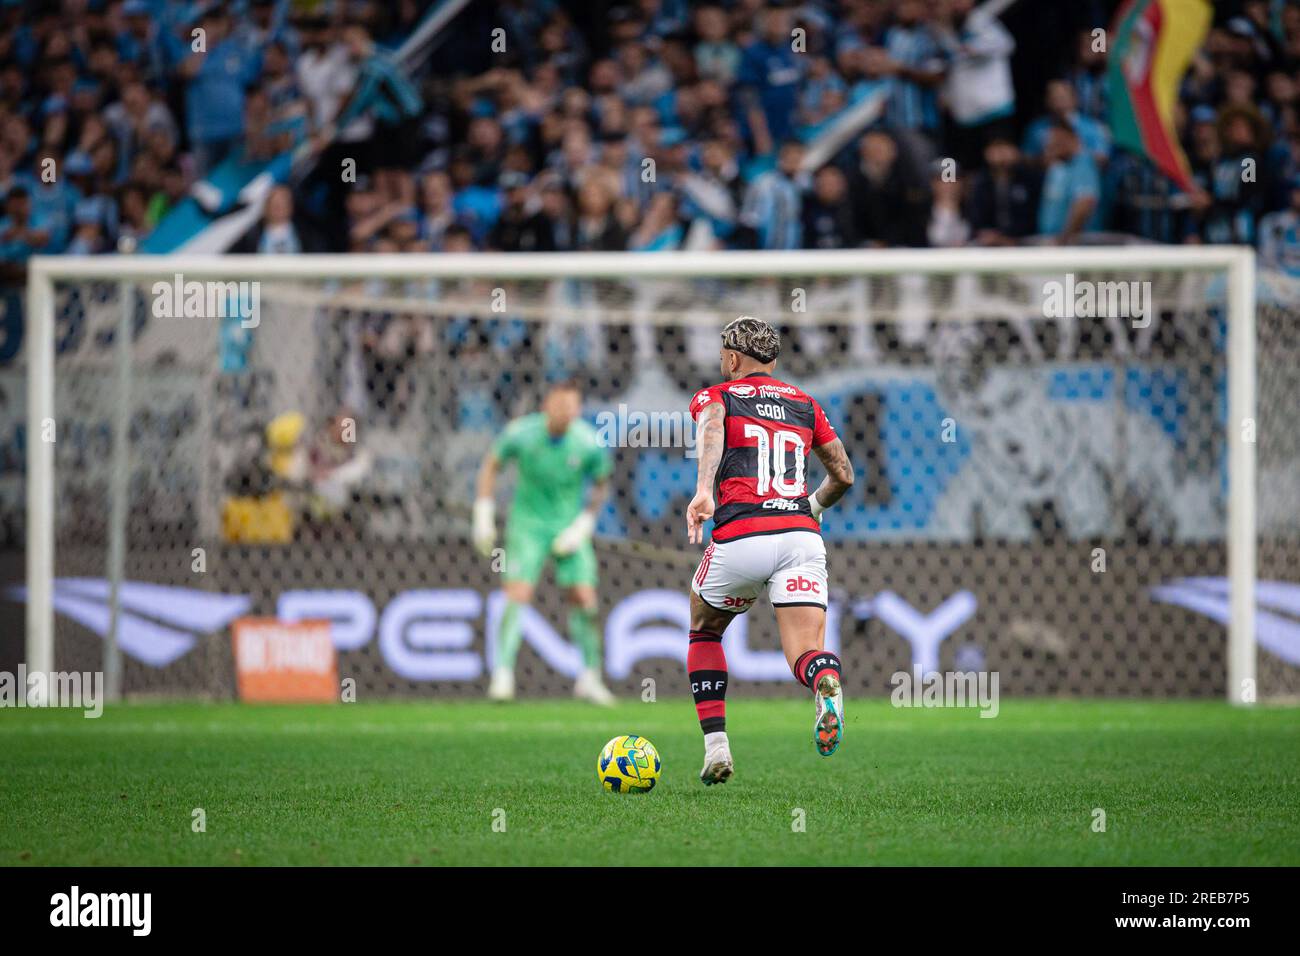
{"type": "Point", "coordinates": [252, 520]}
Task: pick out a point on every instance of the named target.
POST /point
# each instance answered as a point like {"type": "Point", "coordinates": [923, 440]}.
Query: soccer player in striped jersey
{"type": "Point", "coordinates": [754, 433]}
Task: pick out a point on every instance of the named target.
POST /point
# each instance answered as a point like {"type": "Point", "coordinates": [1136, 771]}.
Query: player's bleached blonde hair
{"type": "Point", "coordinates": [752, 337]}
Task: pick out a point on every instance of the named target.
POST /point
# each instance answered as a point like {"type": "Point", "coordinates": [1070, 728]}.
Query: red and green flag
{"type": "Point", "coordinates": [1152, 45]}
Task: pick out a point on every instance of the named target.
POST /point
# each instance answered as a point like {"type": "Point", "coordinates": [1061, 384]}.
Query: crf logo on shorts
{"type": "Point", "coordinates": [802, 584]}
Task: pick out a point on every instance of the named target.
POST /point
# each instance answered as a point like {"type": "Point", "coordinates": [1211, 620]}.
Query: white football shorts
{"type": "Point", "coordinates": [791, 565]}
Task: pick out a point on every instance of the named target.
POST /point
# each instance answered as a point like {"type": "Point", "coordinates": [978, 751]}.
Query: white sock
{"type": "Point", "coordinates": [714, 740]}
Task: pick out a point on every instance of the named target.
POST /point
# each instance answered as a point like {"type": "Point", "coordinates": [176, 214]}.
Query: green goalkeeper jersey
{"type": "Point", "coordinates": [553, 472]}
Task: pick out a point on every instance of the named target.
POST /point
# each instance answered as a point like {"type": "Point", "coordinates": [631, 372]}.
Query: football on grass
{"type": "Point", "coordinates": [628, 764]}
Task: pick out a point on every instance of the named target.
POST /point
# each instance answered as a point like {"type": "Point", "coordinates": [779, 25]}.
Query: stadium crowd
{"type": "Point", "coordinates": [697, 125]}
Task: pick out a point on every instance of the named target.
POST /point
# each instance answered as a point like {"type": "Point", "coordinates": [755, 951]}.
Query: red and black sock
{"type": "Point", "coordinates": [707, 668]}
{"type": "Point", "coordinates": [811, 665]}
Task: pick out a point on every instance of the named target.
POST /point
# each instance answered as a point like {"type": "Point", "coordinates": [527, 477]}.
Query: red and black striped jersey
{"type": "Point", "coordinates": [770, 426]}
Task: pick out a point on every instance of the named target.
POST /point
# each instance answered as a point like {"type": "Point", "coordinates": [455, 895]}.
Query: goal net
{"type": "Point", "coordinates": [1079, 469]}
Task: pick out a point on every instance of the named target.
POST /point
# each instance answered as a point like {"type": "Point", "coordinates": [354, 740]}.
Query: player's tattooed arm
{"type": "Point", "coordinates": [839, 472]}
{"type": "Point", "coordinates": [709, 437]}
{"type": "Point", "coordinates": [709, 440]}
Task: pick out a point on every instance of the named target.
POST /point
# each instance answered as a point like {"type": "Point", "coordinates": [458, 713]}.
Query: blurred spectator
{"type": "Point", "coordinates": [828, 221]}
{"type": "Point", "coordinates": [1004, 196]}
{"type": "Point", "coordinates": [822, 96]}
{"type": "Point", "coordinates": [476, 203]}
{"type": "Point", "coordinates": [218, 77]}
{"type": "Point", "coordinates": [170, 191]}
{"type": "Point", "coordinates": [1239, 181]}
{"type": "Point", "coordinates": [918, 64]}
{"type": "Point", "coordinates": [145, 44]}
{"type": "Point", "coordinates": [1147, 203]}
{"type": "Point", "coordinates": [23, 232]}
{"type": "Point", "coordinates": [716, 56]}
{"type": "Point", "coordinates": [557, 211]}
{"type": "Point", "coordinates": [133, 216]}
{"type": "Point", "coordinates": [768, 80]}
{"type": "Point", "coordinates": [521, 227]}
{"type": "Point", "coordinates": [88, 237]}
{"type": "Point", "coordinates": [325, 74]}
{"type": "Point", "coordinates": [385, 95]}
{"type": "Point", "coordinates": [1279, 235]}
{"type": "Point", "coordinates": [136, 117]}
{"type": "Point", "coordinates": [712, 194]}
{"type": "Point", "coordinates": [7, 178]}
{"type": "Point", "coordinates": [339, 467]}
{"type": "Point", "coordinates": [278, 233]}
{"type": "Point", "coordinates": [772, 212]}
{"type": "Point", "coordinates": [1088, 76]}
{"type": "Point", "coordinates": [53, 197]}
{"type": "Point", "coordinates": [597, 229]}
{"type": "Point", "coordinates": [660, 230]}
{"type": "Point", "coordinates": [888, 206]}
{"type": "Point", "coordinates": [1071, 187]}
{"type": "Point", "coordinates": [1062, 107]}
{"type": "Point", "coordinates": [979, 88]}
{"type": "Point", "coordinates": [435, 214]}
{"type": "Point", "coordinates": [948, 225]}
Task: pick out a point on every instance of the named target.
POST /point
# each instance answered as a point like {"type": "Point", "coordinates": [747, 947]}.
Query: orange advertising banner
{"type": "Point", "coordinates": [285, 660]}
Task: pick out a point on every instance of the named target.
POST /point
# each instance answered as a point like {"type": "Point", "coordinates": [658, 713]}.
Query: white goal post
{"type": "Point", "coordinates": [1237, 264]}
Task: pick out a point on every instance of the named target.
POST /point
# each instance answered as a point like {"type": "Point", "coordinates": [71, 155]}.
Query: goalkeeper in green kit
{"type": "Point", "coordinates": [557, 456]}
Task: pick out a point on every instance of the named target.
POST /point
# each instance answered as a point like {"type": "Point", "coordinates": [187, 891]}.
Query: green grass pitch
{"type": "Point", "coordinates": [422, 783]}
